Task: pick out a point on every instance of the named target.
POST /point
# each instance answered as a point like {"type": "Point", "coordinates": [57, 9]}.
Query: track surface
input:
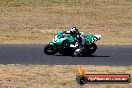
{"type": "Point", "coordinates": [33, 54]}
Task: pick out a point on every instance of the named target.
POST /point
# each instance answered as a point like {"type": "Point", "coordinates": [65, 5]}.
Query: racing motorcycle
{"type": "Point", "coordinates": [65, 44]}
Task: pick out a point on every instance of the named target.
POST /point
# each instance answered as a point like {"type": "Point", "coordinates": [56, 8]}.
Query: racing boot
{"type": "Point", "coordinates": [78, 51]}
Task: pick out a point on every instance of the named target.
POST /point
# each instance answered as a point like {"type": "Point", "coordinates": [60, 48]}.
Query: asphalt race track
{"type": "Point", "coordinates": [33, 54]}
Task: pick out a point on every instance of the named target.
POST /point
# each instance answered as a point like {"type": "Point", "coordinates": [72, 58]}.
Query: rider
{"type": "Point", "coordinates": [80, 39]}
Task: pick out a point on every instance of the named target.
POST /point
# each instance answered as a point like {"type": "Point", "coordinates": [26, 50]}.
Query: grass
{"type": "Point", "coordinates": [57, 76]}
{"type": "Point", "coordinates": [37, 21]}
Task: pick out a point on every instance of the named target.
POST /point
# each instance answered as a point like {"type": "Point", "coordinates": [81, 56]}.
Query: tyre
{"type": "Point", "coordinates": [93, 48]}
{"type": "Point", "coordinates": [49, 50]}
{"type": "Point", "coordinates": [90, 49]}
{"type": "Point", "coordinates": [81, 80]}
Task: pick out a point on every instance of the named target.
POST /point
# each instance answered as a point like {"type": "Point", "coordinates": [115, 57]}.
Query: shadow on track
{"type": "Point", "coordinates": [83, 56]}
{"type": "Point", "coordinates": [96, 56]}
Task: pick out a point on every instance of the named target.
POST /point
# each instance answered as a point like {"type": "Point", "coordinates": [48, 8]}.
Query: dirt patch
{"type": "Point", "coordinates": [38, 21]}
{"type": "Point", "coordinates": [47, 32]}
{"type": "Point", "coordinates": [58, 76]}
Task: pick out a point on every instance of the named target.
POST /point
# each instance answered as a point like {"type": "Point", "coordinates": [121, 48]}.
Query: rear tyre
{"type": "Point", "coordinates": [49, 50]}
{"type": "Point", "coordinates": [90, 49]}
{"type": "Point", "coordinates": [93, 48]}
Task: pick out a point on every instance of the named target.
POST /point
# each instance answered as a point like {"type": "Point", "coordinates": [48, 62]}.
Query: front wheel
{"type": "Point", "coordinates": [49, 49]}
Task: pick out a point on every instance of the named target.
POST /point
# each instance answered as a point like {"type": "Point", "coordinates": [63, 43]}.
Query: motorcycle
{"type": "Point", "coordinates": [65, 44]}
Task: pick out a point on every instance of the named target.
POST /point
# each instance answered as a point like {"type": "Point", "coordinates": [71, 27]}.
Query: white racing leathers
{"type": "Point", "coordinates": [81, 42]}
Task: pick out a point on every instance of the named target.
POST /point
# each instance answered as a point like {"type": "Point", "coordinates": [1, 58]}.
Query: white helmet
{"type": "Point", "coordinates": [74, 31]}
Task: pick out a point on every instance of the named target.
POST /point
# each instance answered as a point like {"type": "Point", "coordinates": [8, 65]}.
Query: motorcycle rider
{"type": "Point", "coordinates": [80, 39]}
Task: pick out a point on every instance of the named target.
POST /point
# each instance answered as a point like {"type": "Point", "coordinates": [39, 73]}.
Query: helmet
{"type": "Point", "coordinates": [74, 31]}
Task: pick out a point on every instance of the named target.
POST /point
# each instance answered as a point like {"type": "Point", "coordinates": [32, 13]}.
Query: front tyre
{"type": "Point", "coordinates": [49, 49]}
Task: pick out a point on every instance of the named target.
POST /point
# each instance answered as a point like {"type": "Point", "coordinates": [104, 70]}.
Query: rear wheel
{"type": "Point", "coordinates": [90, 49]}
{"type": "Point", "coordinates": [49, 50]}
{"type": "Point", "coordinates": [93, 48]}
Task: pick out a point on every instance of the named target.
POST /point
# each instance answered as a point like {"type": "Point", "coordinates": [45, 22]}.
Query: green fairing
{"type": "Point", "coordinates": [52, 43]}
{"type": "Point", "coordinates": [69, 38]}
{"type": "Point", "coordinates": [90, 37]}
{"type": "Point", "coordinates": [60, 41]}
{"type": "Point", "coordinates": [59, 33]}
